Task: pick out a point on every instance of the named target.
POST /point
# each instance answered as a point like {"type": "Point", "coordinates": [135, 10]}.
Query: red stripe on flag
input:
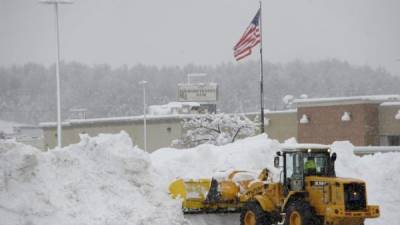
{"type": "Point", "coordinates": [250, 43]}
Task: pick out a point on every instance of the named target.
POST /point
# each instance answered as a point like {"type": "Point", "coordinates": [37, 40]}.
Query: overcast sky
{"type": "Point", "coordinates": [177, 32]}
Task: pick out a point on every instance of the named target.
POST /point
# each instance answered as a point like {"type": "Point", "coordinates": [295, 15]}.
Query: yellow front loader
{"type": "Point", "coordinates": [304, 195]}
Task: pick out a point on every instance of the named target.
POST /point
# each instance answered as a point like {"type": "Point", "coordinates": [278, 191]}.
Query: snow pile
{"type": "Point", "coordinates": [254, 153]}
{"type": "Point", "coordinates": [101, 180]}
{"type": "Point", "coordinates": [381, 174]}
{"type": "Point", "coordinates": [104, 180]}
{"type": "Point", "coordinates": [379, 171]}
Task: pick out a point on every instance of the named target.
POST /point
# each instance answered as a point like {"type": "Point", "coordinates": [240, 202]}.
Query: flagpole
{"type": "Point", "coordinates": [261, 74]}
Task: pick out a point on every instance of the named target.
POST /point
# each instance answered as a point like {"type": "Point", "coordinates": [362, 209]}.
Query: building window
{"type": "Point", "coordinates": [394, 140]}
{"type": "Point", "coordinates": [169, 129]}
{"type": "Point", "coordinates": [390, 140]}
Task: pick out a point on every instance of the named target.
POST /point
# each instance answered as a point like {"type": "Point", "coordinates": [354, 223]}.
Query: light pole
{"type": "Point", "coordinates": [143, 83]}
{"type": "Point", "coordinates": [56, 3]}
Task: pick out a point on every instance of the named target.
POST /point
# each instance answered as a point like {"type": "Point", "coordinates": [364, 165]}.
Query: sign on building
{"type": "Point", "coordinates": [198, 92]}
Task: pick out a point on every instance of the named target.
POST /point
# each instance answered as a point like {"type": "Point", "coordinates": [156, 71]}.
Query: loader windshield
{"type": "Point", "coordinates": [316, 164]}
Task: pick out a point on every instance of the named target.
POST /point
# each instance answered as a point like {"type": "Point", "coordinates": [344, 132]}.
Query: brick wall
{"type": "Point", "coordinates": [325, 125]}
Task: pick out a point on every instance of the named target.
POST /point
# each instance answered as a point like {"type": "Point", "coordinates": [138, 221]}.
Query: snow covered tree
{"type": "Point", "coordinates": [288, 100]}
{"type": "Point", "coordinates": [217, 129]}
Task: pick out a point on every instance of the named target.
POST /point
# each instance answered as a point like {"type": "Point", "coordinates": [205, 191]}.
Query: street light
{"type": "Point", "coordinates": [56, 3]}
{"type": "Point", "coordinates": [143, 83]}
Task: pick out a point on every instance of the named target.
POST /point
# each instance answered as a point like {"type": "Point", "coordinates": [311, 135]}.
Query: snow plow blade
{"type": "Point", "coordinates": [215, 195]}
{"type": "Point", "coordinates": [192, 192]}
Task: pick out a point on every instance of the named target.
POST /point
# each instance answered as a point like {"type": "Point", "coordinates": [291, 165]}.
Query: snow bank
{"type": "Point", "coordinates": [382, 175]}
{"type": "Point", "coordinates": [101, 180]}
{"type": "Point", "coordinates": [254, 153]}
{"type": "Point", "coordinates": [380, 171]}
{"type": "Point", "coordinates": [105, 180]}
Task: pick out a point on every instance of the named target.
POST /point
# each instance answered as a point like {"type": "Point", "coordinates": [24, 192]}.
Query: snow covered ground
{"type": "Point", "coordinates": [107, 180]}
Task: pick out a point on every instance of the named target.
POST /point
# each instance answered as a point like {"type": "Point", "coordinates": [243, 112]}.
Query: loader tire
{"type": "Point", "coordinates": [253, 214]}
{"type": "Point", "coordinates": [299, 212]}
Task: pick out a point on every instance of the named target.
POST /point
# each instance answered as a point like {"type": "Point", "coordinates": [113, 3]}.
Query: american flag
{"type": "Point", "coordinates": [250, 38]}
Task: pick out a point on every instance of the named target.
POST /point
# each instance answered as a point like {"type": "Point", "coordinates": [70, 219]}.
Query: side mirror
{"type": "Point", "coordinates": [276, 162]}
{"type": "Point", "coordinates": [333, 157]}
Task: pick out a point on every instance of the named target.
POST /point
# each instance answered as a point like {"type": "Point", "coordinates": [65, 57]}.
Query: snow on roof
{"type": "Point", "coordinates": [140, 118]}
{"type": "Point", "coordinates": [53, 124]}
{"type": "Point", "coordinates": [346, 100]}
{"type": "Point", "coordinates": [171, 108]}
{"type": "Point", "coordinates": [179, 104]}
{"type": "Point", "coordinates": [116, 120]}
{"type": "Point", "coordinates": [267, 111]}
{"type": "Point", "coordinates": [8, 126]}
{"type": "Point", "coordinates": [390, 104]}
{"type": "Point", "coordinates": [198, 84]}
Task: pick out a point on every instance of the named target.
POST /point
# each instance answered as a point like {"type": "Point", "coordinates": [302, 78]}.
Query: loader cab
{"type": "Point", "coordinates": [304, 160]}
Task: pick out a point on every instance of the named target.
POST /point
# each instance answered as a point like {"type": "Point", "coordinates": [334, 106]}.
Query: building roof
{"type": "Point", "coordinates": [140, 118]}
{"type": "Point", "coordinates": [368, 99]}
{"type": "Point", "coordinates": [8, 126]}
{"type": "Point", "coordinates": [268, 112]}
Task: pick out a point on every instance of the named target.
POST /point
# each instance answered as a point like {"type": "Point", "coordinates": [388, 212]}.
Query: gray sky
{"type": "Point", "coordinates": [176, 32]}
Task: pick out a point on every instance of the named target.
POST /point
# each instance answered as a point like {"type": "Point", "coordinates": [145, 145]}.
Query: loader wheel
{"type": "Point", "coordinates": [253, 214]}
{"type": "Point", "coordinates": [300, 212]}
